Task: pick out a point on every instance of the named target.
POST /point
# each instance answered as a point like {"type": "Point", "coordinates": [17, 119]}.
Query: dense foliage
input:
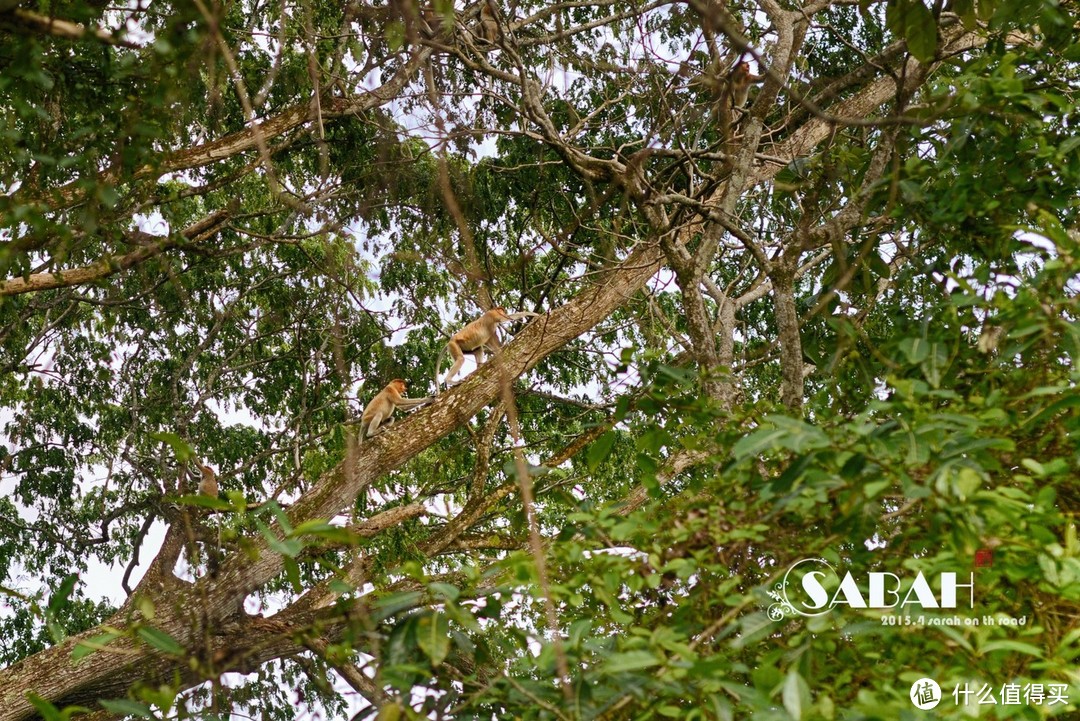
{"type": "Point", "coordinates": [838, 322]}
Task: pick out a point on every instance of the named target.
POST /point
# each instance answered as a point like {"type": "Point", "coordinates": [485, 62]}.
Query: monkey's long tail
{"type": "Point", "coordinates": [438, 362]}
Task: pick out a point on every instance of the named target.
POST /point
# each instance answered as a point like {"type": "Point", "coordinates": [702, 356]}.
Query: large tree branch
{"type": "Point", "coordinates": [337, 489]}
{"type": "Point", "coordinates": [859, 105]}
{"type": "Point", "coordinates": [198, 231]}
{"type": "Point", "coordinates": [51, 673]}
{"type": "Point", "coordinates": [23, 19]}
{"type": "Point", "coordinates": [247, 139]}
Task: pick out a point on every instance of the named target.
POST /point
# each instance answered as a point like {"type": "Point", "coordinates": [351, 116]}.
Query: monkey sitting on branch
{"type": "Point", "coordinates": [474, 338]}
{"type": "Point", "coordinates": [380, 411]}
{"type": "Point", "coordinates": [738, 84]}
{"type": "Point", "coordinates": [491, 28]}
{"type": "Point", "coordinates": [729, 91]}
{"type": "Point", "coordinates": [208, 484]}
{"type": "Point", "coordinates": [734, 92]}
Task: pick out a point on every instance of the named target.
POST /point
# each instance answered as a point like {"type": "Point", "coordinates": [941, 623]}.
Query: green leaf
{"type": "Point", "coordinates": [292, 574]}
{"type": "Point", "coordinates": [389, 712]}
{"type": "Point", "coordinates": [599, 450]}
{"type": "Point", "coordinates": [579, 631]}
{"type": "Point", "coordinates": [281, 517]}
{"type": "Point", "coordinates": [935, 363]}
{"type": "Point", "coordinates": [289, 547]}
{"type": "Point", "coordinates": [873, 488]}
{"type": "Point", "coordinates": [753, 627]}
{"type": "Point", "coordinates": [755, 444]}
{"type": "Point", "coordinates": [920, 31]}
{"type": "Point", "coordinates": [340, 587]}
{"type": "Point", "coordinates": [1069, 146]}
{"type": "Point", "coordinates": [894, 18]}
{"type": "Point", "coordinates": [126, 707]}
{"type": "Point", "coordinates": [796, 694]}
{"type": "Point", "coordinates": [878, 265]}
{"type": "Point", "coordinates": [787, 433]}
{"type": "Point", "coordinates": [965, 9]}
{"type": "Point", "coordinates": [204, 501]}
{"type": "Point", "coordinates": [653, 439]}
{"type": "Point", "coordinates": [59, 598]}
{"type": "Point", "coordinates": [681, 376]}
{"type": "Point", "coordinates": [800, 436]}
{"type": "Point", "coordinates": [51, 713]}
{"type": "Point", "coordinates": [915, 349]}
{"type": "Point", "coordinates": [628, 661]}
{"type": "Point", "coordinates": [324, 530]}
{"type": "Point", "coordinates": [1070, 401]}
{"type": "Point", "coordinates": [160, 640]}
{"type": "Point", "coordinates": [766, 677]}
{"type": "Point", "coordinates": [46, 709]}
{"type": "Point", "coordinates": [87, 646]}
{"type": "Point", "coordinates": [395, 34]}
{"type": "Point", "coordinates": [433, 637]}
{"type": "Point", "coordinates": [967, 481]}
{"type": "Point", "coordinates": [57, 602]}
{"type": "Point", "coordinates": [1008, 645]}
{"type": "Point", "coordinates": [181, 448]}
{"type": "Point", "coordinates": [444, 590]}
{"type": "Point", "coordinates": [394, 603]}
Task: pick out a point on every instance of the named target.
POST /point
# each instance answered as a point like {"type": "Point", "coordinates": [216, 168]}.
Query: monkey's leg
{"type": "Point", "coordinates": [373, 426]}
{"type": "Point", "coordinates": [459, 360]}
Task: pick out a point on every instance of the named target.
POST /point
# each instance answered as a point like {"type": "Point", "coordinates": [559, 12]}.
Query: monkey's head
{"type": "Point", "coordinates": [499, 314]}
{"type": "Point", "coordinates": [398, 384]}
{"type": "Point", "coordinates": [741, 70]}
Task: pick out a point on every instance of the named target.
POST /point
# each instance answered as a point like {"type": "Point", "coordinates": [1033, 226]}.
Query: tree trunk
{"type": "Point", "coordinates": [787, 325]}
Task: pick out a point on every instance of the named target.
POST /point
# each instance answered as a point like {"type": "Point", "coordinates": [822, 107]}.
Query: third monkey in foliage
{"type": "Point", "coordinates": [738, 85]}
{"type": "Point", "coordinates": [730, 92]}
{"type": "Point", "coordinates": [208, 484]}
{"type": "Point", "coordinates": [492, 23]}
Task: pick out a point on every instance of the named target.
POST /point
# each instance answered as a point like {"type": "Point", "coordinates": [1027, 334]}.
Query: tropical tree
{"type": "Point", "coordinates": [806, 277]}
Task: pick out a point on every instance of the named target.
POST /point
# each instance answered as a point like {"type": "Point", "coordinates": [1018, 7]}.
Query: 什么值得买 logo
{"type": "Point", "coordinates": [812, 587]}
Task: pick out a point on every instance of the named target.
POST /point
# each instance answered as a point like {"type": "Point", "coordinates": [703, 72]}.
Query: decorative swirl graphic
{"type": "Point", "coordinates": [781, 609]}
{"type": "Point", "coordinates": [783, 606]}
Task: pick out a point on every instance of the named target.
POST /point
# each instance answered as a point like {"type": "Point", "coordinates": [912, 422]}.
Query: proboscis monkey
{"type": "Point", "coordinates": [474, 338]}
{"type": "Point", "coordinates": [380, 411]}
{"type": "Point", "coordinates": [490, 30]}
{"type": "Point", "coordinates": [734, 92]}
{"type": "Point", "coordinates": [739, 81]}
{"type": "Point", "coordinates": [208, 485]}
{"type": "Point", "coordinates": [434, 25]}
